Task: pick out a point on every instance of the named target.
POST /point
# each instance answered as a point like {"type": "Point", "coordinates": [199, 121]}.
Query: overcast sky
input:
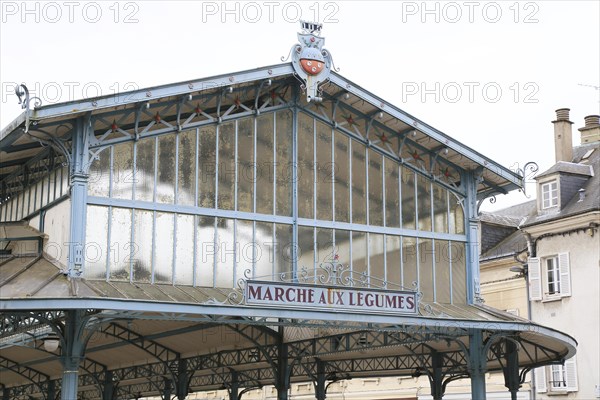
{"type": "Point", "coordinates": [490, 74]}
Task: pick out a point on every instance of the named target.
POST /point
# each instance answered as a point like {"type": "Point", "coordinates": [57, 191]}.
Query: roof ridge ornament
{"type": "Point", "coordinates": [311, 61]}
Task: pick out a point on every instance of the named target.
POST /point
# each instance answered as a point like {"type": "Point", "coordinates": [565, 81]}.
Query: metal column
{"type": "Point", "coordinates": [477, 365]}
{"type": "Point", "coordinates": [470, 181]}
{"type": "Point", "coordinates": [234, 388]}
{"type": "Point", "coordinates": [108, 390]}
{"type": "Point", "coordinates": [79, 181]}
{"type": "Point", "coordinates": [320, 388]}
{"type": "Point", "coordinates": [512, 380]}
{"type": "Point", "coordinates": [182, 379]}
{"type": "Point", "coordinates": [282, 383]}
{"type": "Point", "coordinates": [72, 353]}
{"type": "Point", "coordinates": [437, 376]}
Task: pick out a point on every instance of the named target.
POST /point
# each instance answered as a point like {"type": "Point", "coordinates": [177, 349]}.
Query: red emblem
{"type": "Point", "coordinates": [312, 67]}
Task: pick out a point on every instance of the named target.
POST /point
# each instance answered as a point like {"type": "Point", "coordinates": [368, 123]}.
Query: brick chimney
{"type": "Point", "coordinates": [591, 131]}
{"type": "Point", "coordinates": [563, 136]}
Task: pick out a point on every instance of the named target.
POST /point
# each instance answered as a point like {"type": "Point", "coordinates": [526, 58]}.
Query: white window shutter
{"type": "Point", "coordinates": [571, 374]}
{"type": "Point", "coordinates": [535, 278]}
{"type": "Point", "coordinates": [565, 274]}
{"type": "Point", "coordinates": [540, 380]}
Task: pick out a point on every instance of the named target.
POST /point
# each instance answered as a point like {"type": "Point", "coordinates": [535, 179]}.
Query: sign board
{"type": "Point", "coordinates": [332, 298]}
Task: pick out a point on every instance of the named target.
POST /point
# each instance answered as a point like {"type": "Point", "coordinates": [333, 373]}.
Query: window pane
{"type": "Point", "coordinates": [284, 163]}
{"type": "Point", "coordinates": [324, 246]}
{"type": "Point", "coordinates": [359, 253]}
{"type": "Point", "coordinates": [306, 248]}
{"type": "Point", "coordinates": [392, 197]}
{"type": "Point", "coordinates": [99, 180]}
{"type": "Point", "coordinates": [244, 236]}
{"type": "Point", "coordinates": [375, 188]}
{"type": "Point", "coordinates": [376, 257]}
{"type": "Point", "coordinates": [225, 252]}
{"type": "Point", "coordinates": [142, 258]}
{"type": "Point", "coordinates": [226, 166]}
{"type": "Point", "coordinates": [96, 237]}
{"type": "Point", "coordinates": [245, 179]}
{"type": "Point", "coordinates": [342, 246]}
{"type": "Point", "coordinates": [165, 187]}
{"type": "Point", "coordinates": [459, 273]}
{"type": "Point", "coordinates": [424, 202]}
{"type": "Point", "coordinates": [207, 167]}
{"type": "Point", "coordinates": [144, 170]}
{"type": "Point", "coordinates": [163, 248]}
{"type": "Point", "coordinates": [205, 250]}
{"type": "Point", "coordinates": [426, 268]}
{"type": "Point", "coordinates": [442, 272]}
{"type": "Point", "coordinates": [342, 177]}
{"type": "Point", "coordinates": [264, 158]}
{"type": "Point", "coordinates": [359, 183]}
{"type": "Point", "coordinates": [264, 256]}
{"type": "Point", "coordinates": [184, 262]}
{"type": "Point", "coordinates": [305, 166]}
{"type": "Point", "coordinates": [409, 261]}
{"type": "Point", "coordinates": [457, 221]}
{"type": "Point", "coordinates": [440, 208]}
{"type": "Point", "coordinates": [283, 248]}
{"type": "Point", "coordinates": [120, 244]}
{"type": "Point", "coordinates": [186, 178]}
{"type": "Point", "coordinates": [392, 260]}
{"type": "Point", "coordinates": [408, 199]}
{"type": "Point", "coordinates": [324, 170]}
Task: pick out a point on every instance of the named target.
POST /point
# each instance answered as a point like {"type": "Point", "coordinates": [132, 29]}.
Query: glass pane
{"type": "Point", "coordinates": [45, 189]}
{"type": "Point", "coordinates": [264, 157]}
{"type": "Point", "coordinates": [207, 166]}
{"type": "Point", "coordinates": [305, 166]}
{"type": "Point", "coordinates": [99, 180]}
{"type": "Point", "coordinates": [283, 248]}
{"type": "Point", "coordinates": [440, 208]}
{"type": "Point", "coordinates": [144, 171]}
{"type": "Point", "coordinates": [392, 197]}
{"type": "Point", "coordinates": [426, 253]}
{"type": "Point", "coordinates": [264, 253]}
{"type": "Point", "coordinates": [324, 178]}
{"type": "Point", "coordinates": [284, 163]}
{"type": "Point", "coordinates": [96, 236]}
{"type": "Point", "coordinates": [120, 244]}
{"type": "Point", "coordinates": [359, 253]}
{"type": "Point", "coordinates": [409, 262]}
{"type": "Point", "coordinates": [324, 246]}
{"type": "Point", "coordinates": [376, 257]}
{"type": "Point", "coordinates": [342, 177]}
{"type": "Point", "coordinates": [186, 169]}
{"type": "Point", "coordinates": [225, 253]}
{"type": "Point", "coordinates": [142, 257]}
{"type": "Point", "coordinates": [205, 250]}
{"type": "Point", "coordinates": [245, 178]}
{"type": "Point", "coordinates": [375, 188]}
{"type": "Point", "coordinates": [442, 272]}
{"type": "Point", "coordinates": [392, 260]}
{"type": "Point", "coordinates": [342, 246]}
{"type": "Point", "coordinates": [226, 166]}
{"type": "Point", "coordinates": [163, 248]}
{"type": "Point", "coordinates": [184, 261]}
{"type": "Point", "coordinates": [122, 185]}
{"type": "Point", "coordinates": [165, 186]}
{"type": "Point", "coordinates": [459, 273]}
{"type": "Point", "coordinates": [246, 248]}
{"type": "Point", "coordinates": [306, 248]}
{"type": "Point", "coordinates": [457, 221]}
{"type": "Point", "coordinates": [65, 181]}
{"type": "Point", "coordinates": [359, 183]}
{"type": "Point", "coordinates": [408, 199]}
{"type": "Point", "coordinates": [424, 202]}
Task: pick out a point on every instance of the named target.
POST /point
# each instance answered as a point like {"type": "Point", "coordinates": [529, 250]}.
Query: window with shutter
{"type": "Point", "coordinates": [565, 274]}
{"type": "Point", "coordinates": [540, 380]}
{"type": "Point", "coordinates": [571, 374]}
{"type": "Point", "coordinates": [535, 278]}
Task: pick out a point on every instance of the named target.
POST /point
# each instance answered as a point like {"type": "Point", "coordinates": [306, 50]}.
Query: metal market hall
{"type": "Point", "coordinates": [260, 228]}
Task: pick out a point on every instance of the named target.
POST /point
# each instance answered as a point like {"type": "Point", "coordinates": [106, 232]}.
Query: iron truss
{"type": "Point", "coordinates": [267, 360]}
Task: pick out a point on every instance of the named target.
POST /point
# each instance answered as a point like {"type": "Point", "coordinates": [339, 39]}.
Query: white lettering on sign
{"type": "Point", "coordinates": [330, 298]}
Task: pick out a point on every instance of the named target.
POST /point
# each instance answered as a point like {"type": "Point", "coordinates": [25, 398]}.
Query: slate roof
{"type": "Point", "coordinates": [568, 168]}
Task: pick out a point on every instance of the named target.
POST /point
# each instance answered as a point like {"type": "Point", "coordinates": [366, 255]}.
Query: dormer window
{"type": "Point", "coordinates": [549, 194]}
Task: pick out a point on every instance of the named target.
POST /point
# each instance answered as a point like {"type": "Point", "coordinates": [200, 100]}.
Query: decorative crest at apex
{"type": "Point", "coordinates": [311, 27]}
{"type": "Point", "coordinates": [312, 63]}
